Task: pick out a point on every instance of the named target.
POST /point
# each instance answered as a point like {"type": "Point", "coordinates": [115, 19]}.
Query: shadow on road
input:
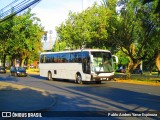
{"type": "Point", "coordinates": [110, 96]}
{"type": "Point", "coordinates": [37, 77]}
{"type": "Point", "coordinates": [24, 99]}
{"type": "Point", "coordinates": [91, 97]}
{"type": "Point", "coordinates": [7, 77]}
{"type": "Point", "coordinates": [111, 99]}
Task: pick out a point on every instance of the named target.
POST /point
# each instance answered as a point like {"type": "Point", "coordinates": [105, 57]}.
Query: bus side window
{"type": "Point", "coordinates": [67, 57]}
{"type": "Point", "coordinates": [80, 57]}
{"type": "Point", "coordinates": [52, 59]}
{"type": "Point", "coordinates": [62, 58]}
{"type": "Point", "coordinates": [47, 58]}
{"type": "Point", "coordinates": [41, 59]}
{"type": "Point", "coordinates": [55, 58]}
{"type": "Point", "coordinates": [76, 57]}
{"type": "Point", "coordinates": [59, 58]}
{"type": "Point", "coordinates": [72, 58]}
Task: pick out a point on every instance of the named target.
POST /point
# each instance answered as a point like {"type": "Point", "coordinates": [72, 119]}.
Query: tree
{"type": "Point", "coordinates": [122, 59]}
{"type": "Point", "coordinates": [89, 28]}
{"type": "Point", "coordinates": [59, 46]}
{"type": "Point", "coordinates": [5, 38]}
{"type": "Point", "coordinates": [157, 10]}
{"type": "Point", "coordinates": [136, 29]}
{"type": "Point", "coordinates": [23, 39]}
{"type": "Point", "coordinates": [156, 37]}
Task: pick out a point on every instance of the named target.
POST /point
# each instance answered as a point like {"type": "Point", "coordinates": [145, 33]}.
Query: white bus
{"type": "Point", "coordinates": [79, 65]}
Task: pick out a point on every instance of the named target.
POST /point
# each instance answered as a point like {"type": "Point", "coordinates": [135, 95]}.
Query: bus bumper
{"type": "Point", "coordinates": [102, 77]}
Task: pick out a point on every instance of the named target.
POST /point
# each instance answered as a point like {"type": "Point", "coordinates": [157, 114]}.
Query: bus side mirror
{"type": "Point", "coordinates": [115, 59]}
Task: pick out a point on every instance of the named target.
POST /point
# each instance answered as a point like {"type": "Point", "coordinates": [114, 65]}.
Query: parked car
{"type": "Point", "coordinates": [18, 71]}
{"type": "Point", "coordinates": [137, 71]}
{"type": "Point", "coordinates": [121, 70]}
{"type": "Point", "coordinates": [2, 69]}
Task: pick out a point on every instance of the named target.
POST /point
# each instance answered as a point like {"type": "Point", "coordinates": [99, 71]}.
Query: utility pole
{"type": "Point", "coordinates": [82, 5]}
{"type": "Point", "coordinates": [50, 39]}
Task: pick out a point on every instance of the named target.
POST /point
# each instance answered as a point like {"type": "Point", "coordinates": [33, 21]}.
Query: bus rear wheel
{"type": "Point", "coordinates": [79, 79]}
{"type": "Point", "coordinates": [49, 76]}
{"type": "Point", "coordinates": [98, 82]}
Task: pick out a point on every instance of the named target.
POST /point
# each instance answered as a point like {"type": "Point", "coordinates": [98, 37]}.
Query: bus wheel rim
{"type": "Point", "coordinates": [79, 80]}
{"type": "Point", "coordinates": [49, 76]}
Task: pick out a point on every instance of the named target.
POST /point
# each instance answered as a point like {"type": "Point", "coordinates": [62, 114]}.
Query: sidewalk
{"type": "Point", "coordinates": [22, 98]}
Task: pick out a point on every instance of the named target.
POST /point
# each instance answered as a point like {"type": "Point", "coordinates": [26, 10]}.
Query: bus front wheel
{"type": "Point", "coordinates": [49, 76]}
{"type": "Point", "coordinates": [79, 79]}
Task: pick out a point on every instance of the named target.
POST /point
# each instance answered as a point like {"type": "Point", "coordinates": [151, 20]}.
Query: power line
{"type": "Point", "coordinates": [19, 7]}
{"type": "Point", "coordinates": [9, 5]}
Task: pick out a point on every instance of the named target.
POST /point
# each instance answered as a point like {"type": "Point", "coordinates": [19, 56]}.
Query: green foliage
{"type": "Point", "coordinates": [122, 58]}
{"type": "Point", "coordinates": [59, 46]}
{"type": "Point", "coordinates": [133, 30]}
{"type": "Point", "coordinates": [20, 36]}
{"type": "Point", "coordinates": [136, 31]}
{"type": "Point", "coordinates": [157, 9]}
{"type": "Point", "coordinates": [89, 28]}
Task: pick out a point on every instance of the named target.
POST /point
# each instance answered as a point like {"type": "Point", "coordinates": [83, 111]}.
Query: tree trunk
{"type": "Point", "coordinates": [157, 59]}
{"type": "Point", "coordinates": [4, 60]}
{"type": "Point", "coordinates": [132, 66]}
{"type": "Point", "coordinates": [22, 62]}
{"type": "Point", "coordinates": [28, 64]}
{"type": "Point", "coordinates": [13, 61]}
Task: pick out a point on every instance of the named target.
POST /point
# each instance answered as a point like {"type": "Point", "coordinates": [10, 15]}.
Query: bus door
{"type": "Point", "coordinates": [86, 62]}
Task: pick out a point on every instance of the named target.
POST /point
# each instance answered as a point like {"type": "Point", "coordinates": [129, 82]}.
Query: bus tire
{"type": "Point", "coordinates": [49, 76]}
{"type": "Point", "coordinates": [15, 74]}
{"type": "Point", "coordinates": [79, 79]}
{"type": "Point", "coordinates": [98, 82]}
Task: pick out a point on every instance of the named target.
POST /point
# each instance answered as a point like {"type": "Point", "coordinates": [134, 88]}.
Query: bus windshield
{"type": "Point", "coordinates": [101, 62]}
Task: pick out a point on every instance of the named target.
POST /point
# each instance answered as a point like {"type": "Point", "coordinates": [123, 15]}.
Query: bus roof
{"type": "Point", "coordinates": [79, 50]}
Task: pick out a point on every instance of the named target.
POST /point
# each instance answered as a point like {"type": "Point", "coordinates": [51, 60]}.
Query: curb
{"type": "Point", "coordinates": [138, 82]}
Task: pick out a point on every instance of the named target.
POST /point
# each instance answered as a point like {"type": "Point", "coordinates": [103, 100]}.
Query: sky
{"type": "Point", "coordinates": [53, 12]}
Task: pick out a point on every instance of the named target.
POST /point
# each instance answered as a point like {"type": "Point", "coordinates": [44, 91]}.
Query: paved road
{"type": "Point", "coordinates": [108, 96]}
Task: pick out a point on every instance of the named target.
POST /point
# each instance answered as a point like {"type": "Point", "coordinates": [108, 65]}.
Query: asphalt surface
{"type": "Point", "coordinates": [15, 97]}
{"type": "Point", "coordinates": [43, 94]}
